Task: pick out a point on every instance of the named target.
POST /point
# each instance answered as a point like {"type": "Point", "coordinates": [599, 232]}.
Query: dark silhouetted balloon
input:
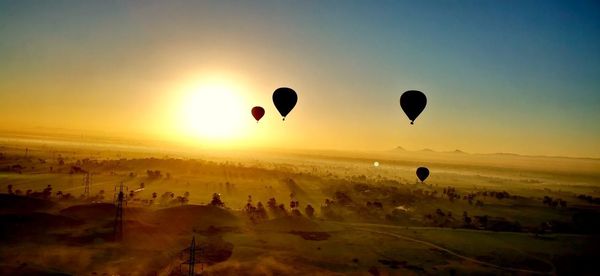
{"type": "Point", "coordinates": [413, 102]}
{"type": "Point", "coordinates": [422, 173]}
{"type": "Point", "coordinates": [284, 99]}
{"type": "Point", "coordinates": [258, 112]}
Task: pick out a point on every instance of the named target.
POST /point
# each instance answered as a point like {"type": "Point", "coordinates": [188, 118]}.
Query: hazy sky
{"type": "Point", "coordinates": [500, 76]}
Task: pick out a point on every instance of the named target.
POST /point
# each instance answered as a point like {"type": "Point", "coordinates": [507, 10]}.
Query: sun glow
{"type": "Point", "coordinates": [213, 110]}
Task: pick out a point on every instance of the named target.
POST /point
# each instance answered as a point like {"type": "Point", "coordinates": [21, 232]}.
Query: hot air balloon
{"type": "Point", "coordinates": [284, 99]}
{"type": "Point", "coordinates": [413, 102]}
{"type": "Point", "coordinates": [258, 112]}
{"type": "Point", "coordinates": [422, 173]}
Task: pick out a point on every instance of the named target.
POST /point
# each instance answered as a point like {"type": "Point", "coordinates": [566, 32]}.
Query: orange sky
{"type": "Point", "coordinates": [140, 70]}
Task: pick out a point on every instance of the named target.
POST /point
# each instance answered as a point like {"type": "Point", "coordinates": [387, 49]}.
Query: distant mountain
{"type": "Point", "coordinates": [506, 153]}
{"type": "Point", "coordinates": [458, 151]}
{"type": "Point", "coordinates": [399, 148]}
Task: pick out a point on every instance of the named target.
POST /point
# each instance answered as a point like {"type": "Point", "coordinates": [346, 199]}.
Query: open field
{"type": "Point", "coordinates": [476, 213]}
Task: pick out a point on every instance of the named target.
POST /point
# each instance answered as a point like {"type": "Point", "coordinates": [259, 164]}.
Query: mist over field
{"type": "Point", "coordinates": [249, 211]}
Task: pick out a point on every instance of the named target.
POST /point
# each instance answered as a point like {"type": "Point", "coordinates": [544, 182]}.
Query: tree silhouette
{"type": "Point", "coordinates": [261, 213]}
{"type": "Point", "coordinates": [272, 203]}
{"type": "Point", "coordinates": [47, 192]}
{"type": "Point", "coordinates": [182, 200]}
{"type": "Point", "coordinates": [216, 200]}
{"type": "Point", "coordinates": [309, 211]}
{"type": "Point", "coordinates": [282, 210]}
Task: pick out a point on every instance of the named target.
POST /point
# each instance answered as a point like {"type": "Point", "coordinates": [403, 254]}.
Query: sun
{"type": "Point", "coordinates": [213, 110]}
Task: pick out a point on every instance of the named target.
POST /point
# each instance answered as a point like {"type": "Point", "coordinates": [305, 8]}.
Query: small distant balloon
{"type": "Point", "coordinates": [258, 112]}
{"type": "Point", "coordinates": [422, 173]}
{"type": "Point", "coordinates": [285, 99]}
{"type": "Point", "coordinates": [376, 164]}
{"type": "Point", "coordinates": [413, 102]}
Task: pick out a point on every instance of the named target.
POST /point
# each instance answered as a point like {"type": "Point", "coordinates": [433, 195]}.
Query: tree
{"type": "Point", "coordinates": [272, 203]}
{"type": "Point", "coordinates": [277, 210]}
{"type": "Point", "coordinates": [439, 212]}
{"type": "Point", "coordinates": [261, 213]}
{"type": "Point", "coordinates": [250, 210]}
{"type": "Point", "coordinates": [282, 210]}
{"type": "Point", "coordinates": [483, 220]}
{"type": "Point", "coordinates": [467, 220]}
{"type": "Point", "coordinates": [182, 200]}
{"type": "Point", "coordinates": [547, 200]}
{"type": "Point", "coordinates": [342, 198]}
{"type": "Point", "coordinates": [309, 211]}
{"type": "Point", "coordinates": [563, 204]}
{"type": "Point", "coordinates": [216, 200]}
{"type": "Point", "coordinates": [47, 192]}
{"type": "Point", "coordinates": [294, 206]}
{"type": "Point", "coordinates": [153, 174]}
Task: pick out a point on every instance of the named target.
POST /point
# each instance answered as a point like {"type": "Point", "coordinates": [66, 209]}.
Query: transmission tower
{"type": "Point", "coordinates": [191, 261]}
{"type": "Point", "coordinates": [124, 189]}
{"type": "Point", "coordinates": [118, 225]}
{"type": "Point", "coordinates": [192, 257]}
{"type": "Point", "coordinates": [86, 185]}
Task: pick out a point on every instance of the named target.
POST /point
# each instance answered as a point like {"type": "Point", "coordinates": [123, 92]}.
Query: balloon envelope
{"type": "Point", "coordinates": [258, 112]}
{"type": "Point", "coordinates": [422, 173]}
{"type": "Point", "coordinates": [284, 99]}
{"type": "Point", "coordinates": [413, 102]}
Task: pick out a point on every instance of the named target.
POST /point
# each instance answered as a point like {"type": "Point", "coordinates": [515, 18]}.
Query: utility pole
{"type": "Point", "coordinates": [118, 224]}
